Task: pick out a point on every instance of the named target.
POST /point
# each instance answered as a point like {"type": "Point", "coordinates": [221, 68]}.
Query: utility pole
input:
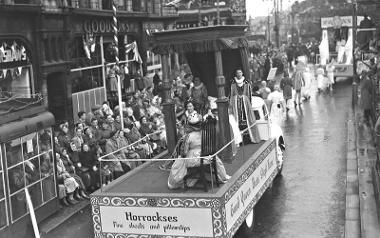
{"type": "Point", "coordinates": [354, 30]}
{"type": "Point", "coordinates": [276, 23]}
{"type": "Point", "coordinates": [268, 31]}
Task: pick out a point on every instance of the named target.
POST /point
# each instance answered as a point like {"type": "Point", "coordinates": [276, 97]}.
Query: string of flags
{"type": "Point", "coordinates": [89, 43]}
{"type": "Point", "coordinates": [13, 72]}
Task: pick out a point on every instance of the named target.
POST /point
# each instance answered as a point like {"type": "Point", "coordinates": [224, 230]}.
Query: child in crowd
{"type": "Point", "coordinates": [67, 180]}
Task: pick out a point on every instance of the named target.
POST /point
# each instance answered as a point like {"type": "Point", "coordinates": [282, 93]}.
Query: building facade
{"type": "Point", "coordinates": [209, 12]}
{"type": "Point", "coordinates": [54, 56]}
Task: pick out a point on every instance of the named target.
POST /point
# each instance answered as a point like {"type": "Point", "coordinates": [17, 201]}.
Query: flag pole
{"type": "Point", "coordinates": [116, 45]}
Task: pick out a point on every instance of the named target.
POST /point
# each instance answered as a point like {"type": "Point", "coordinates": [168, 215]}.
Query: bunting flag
{"type": "Point", "coordinates": [2, 51]}
{"type": "Point", "coordinates": [137, 56]}
{"type": "Point", "coordinates": [86, 49]}
{"type": "Point", "coordinates": [134, 48]}
{"type": "Point", "coordinates": [19, 70]}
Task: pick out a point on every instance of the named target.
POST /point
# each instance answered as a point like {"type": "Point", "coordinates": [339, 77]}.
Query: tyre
{"type": "Point", "coordinates": [282, 148]}
{"type": "Point", "coordinates": [247, 227]}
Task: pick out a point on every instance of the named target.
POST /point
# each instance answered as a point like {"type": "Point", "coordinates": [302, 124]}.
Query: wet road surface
{"type": "Point", "coordinates": [309, 200]}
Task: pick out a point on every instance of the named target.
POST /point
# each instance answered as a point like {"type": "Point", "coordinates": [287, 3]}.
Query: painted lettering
{"type": "Point", "coordinates": [235, 207]}
{"type": "Point", "coordinates": [245, 195]}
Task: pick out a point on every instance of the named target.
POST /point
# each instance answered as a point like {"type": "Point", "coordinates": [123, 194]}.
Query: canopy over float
{"type": "Point", "coordinates": [213, 53]}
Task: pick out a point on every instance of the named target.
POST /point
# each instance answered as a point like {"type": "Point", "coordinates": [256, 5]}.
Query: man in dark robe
{"type": "Point", "coordinates": [240, 102]}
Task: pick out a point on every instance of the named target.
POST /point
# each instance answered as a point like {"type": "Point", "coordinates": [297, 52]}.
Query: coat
{"type": "Point", "coordinates": [286, 86]}
{"type": "Point", "coordinates": [366, 94]}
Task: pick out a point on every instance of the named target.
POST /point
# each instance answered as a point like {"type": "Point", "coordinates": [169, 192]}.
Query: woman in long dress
{"type": "Point", "coordinates": [276, 104]}
{"type": "Point", "coordinates": [191, 148]}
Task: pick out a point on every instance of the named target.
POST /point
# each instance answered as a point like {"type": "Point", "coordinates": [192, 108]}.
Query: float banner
{"type": "Point", "coordinates": [194, 222]}
{"type": "Point", "coordinates": [243, 197]}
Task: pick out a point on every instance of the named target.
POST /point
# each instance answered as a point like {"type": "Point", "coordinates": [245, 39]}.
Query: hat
{"type": "Point", "coordinates": [194, 118]}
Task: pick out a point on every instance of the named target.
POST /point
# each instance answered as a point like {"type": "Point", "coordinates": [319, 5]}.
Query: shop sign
{"type": "Point", "coordinates": [105, 26]}
{"type": "Point", "coordinates": [339, 21]}
{"type": "Point", "coordinates": [12, 53]}
{"type": "Point", "coordinates": [250, 191]}
{"type": "Point", "coordinates": [161, 221]}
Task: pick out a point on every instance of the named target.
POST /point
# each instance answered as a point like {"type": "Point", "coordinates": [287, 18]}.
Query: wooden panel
{"type": "Point", "coordinates": [87, 100]}
{"type": "Point", "coordinates": [75, 101]}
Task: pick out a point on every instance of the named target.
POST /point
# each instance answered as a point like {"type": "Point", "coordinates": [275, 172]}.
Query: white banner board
{"type": "Point", "coordinates": [194, 222]}
{"type": "Point", "coordinates": [271, 74]}
{"type": "Point", "coordinates": [242, 198]}
{"type": "Point", "coordinates": [339, 21]}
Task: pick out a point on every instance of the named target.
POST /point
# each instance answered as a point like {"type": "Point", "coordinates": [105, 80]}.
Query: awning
{"type": "Point", "coordinates": [26, 125]}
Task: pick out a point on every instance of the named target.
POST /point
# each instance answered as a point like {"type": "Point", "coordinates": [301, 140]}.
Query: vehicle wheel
{"type": "Point", "coordinates": [279, 174]}
{"type": "Point", "coordinates": [248, 225]}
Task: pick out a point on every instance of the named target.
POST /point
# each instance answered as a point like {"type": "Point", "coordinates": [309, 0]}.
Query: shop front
{"type": "Point", "coordinates": [93, 55]}
{"type": "Point", "coordinates": [26, 148]}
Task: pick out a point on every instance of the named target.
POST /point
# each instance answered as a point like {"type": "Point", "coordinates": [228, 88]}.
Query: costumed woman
{"type": "Point", "coordinates": [240, 103]}
{"type": "Point", "coordinates": [324, 48]}
{"type": "Point", "coordinates": [191, 148]}
{"type": "Point", "coordinates": [277, 104]}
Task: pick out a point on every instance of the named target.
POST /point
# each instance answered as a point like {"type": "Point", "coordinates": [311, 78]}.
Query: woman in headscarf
{"type": "Point", "coordinates": [191, 148]}
{"type": "Point", "coordinates": [240, 102]}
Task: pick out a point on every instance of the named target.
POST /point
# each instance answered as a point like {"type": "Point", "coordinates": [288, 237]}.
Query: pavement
{"type": "Point", "coordinates": [362, 214]}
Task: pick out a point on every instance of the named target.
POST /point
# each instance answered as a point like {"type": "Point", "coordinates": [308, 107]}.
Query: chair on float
{"type": "Point", "coordinates": [208, 147]}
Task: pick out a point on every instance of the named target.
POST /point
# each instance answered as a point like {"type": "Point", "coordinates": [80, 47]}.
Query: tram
{"type": "Point", "coordinates": [140, 204]}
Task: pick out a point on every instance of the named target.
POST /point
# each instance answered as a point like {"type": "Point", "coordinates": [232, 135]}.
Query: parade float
{"type": "Point", "coordinates": [337, 32]}
{"type": "Point", "coordinates": [140, 204]}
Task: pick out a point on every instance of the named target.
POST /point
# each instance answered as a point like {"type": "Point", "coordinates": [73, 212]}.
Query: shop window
{"type": "Point", "coordinates": [29, 145]}
{"type": "Point", "coordinates": [33, 169]}
{"type": "Point", "coordinates": [16, 82]}
{"type": "Point", "coordinates": [16, 178]}
{"type": "Point", "coordinates": [13, 152]}
{"type": "Point", "coordinates": [18, 205]}
{"type": "Point", "coordinates": [87, 79]}
{"type": "Point", "coordinates": [3, 204]}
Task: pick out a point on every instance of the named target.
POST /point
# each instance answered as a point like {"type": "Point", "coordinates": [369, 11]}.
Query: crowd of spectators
{"type": "Point", "coordinates": [100, 134]}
